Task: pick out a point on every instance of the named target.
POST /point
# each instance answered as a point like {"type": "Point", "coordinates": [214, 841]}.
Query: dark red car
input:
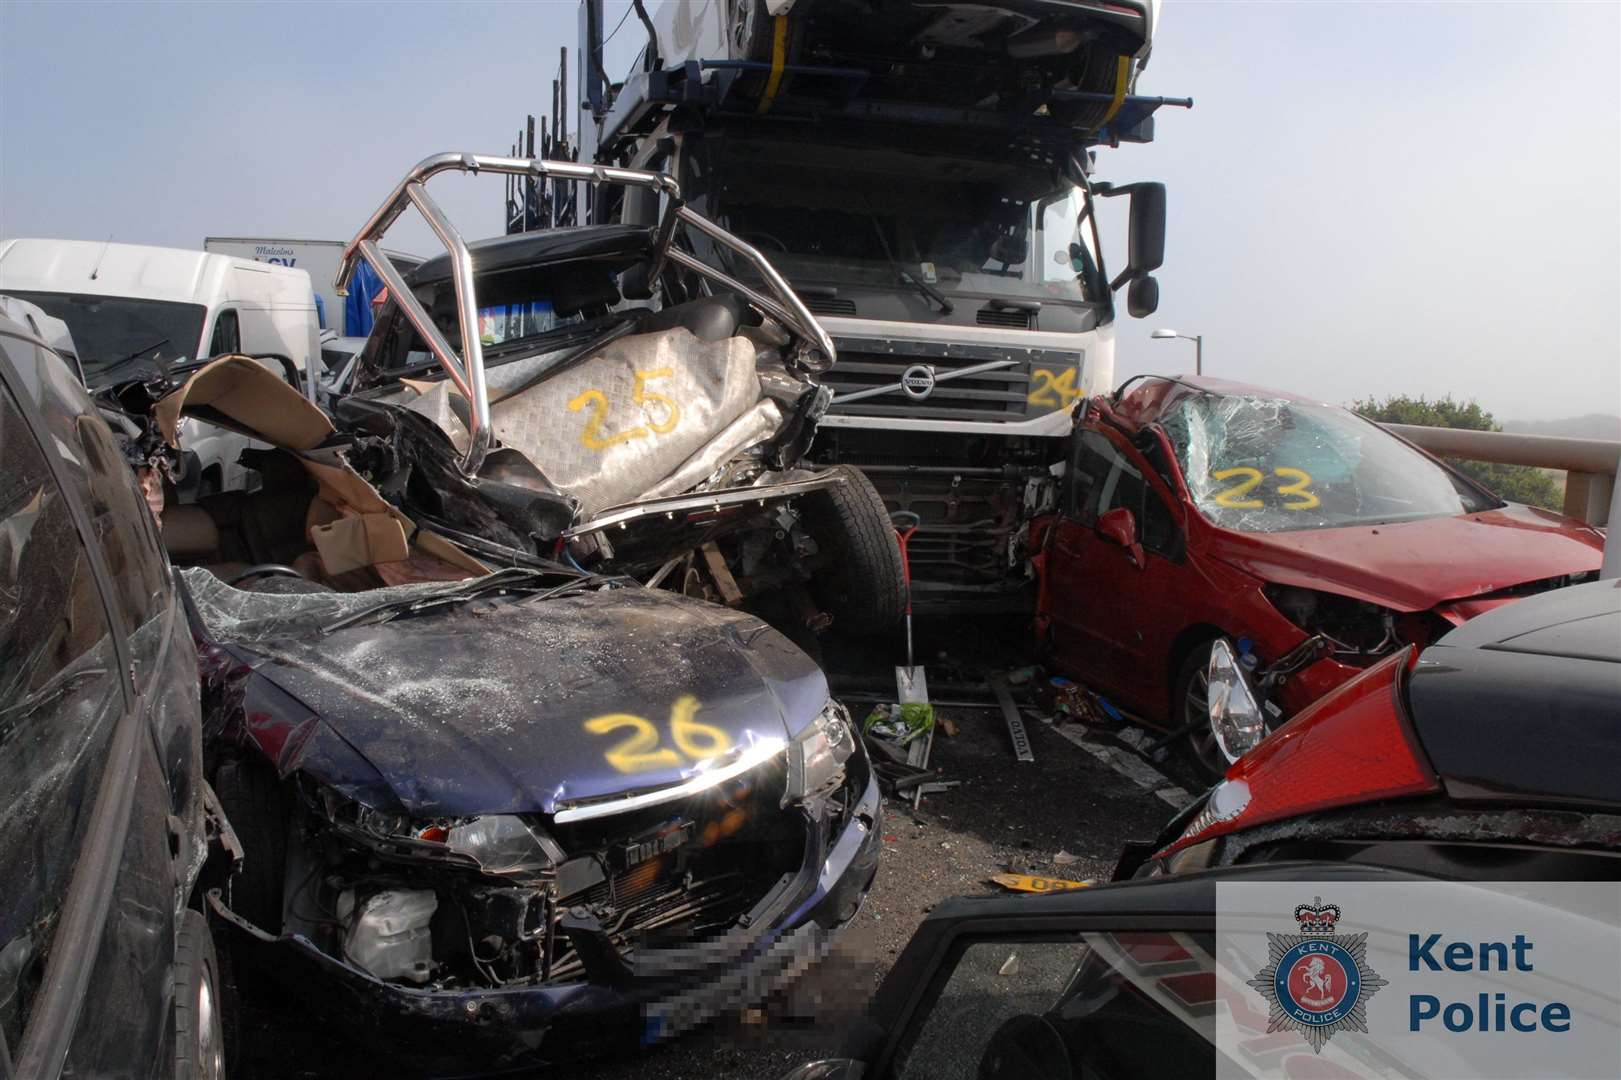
{"type": "Point", "coordinates": [1313, 539]}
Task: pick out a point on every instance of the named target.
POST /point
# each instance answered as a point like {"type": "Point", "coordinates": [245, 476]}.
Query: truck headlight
{"type": "Point", "coordinates": [816, 756]}
{"type": "Point", "coordinates": [1236, 719]}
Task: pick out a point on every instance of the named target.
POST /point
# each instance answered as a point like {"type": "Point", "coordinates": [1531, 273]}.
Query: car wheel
{"type": "Point", "coordinates": [1189, 706]}
{"type": "Point", "coordinates": [860, 581]}
{"type": "Point", "coordinates": [252, 800]}
{"type": "Point", "coordinates": [199, 1022]}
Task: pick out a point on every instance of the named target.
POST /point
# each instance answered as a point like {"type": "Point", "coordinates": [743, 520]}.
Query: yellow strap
{"type": "Point", "coordinates": [779, 57]}
{"type": "Point", "coordinates": [1122, 76]}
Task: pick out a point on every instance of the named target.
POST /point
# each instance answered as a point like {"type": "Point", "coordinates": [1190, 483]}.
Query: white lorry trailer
{"type": "Point", "coordinates": [319, 258]}
{"type": "Point", "coordinates": [133, 309]}
{"type": "Point", "coordinates": [923, 175]}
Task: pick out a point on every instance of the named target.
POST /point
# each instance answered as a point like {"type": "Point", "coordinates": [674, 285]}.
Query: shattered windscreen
{"type": "Point", "coordinates": [1269, 465]}
{"type": "Point", "coordinates": [240, 616]}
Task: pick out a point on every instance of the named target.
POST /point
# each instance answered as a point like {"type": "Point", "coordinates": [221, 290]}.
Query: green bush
{"type": "Point", "coordinates": [1516, 483]}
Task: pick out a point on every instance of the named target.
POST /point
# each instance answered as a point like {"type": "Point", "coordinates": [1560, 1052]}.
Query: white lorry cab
{"type": "Point", "coordinates": [923, 173]}
{"type": "Point", "coordinates": [134, 310]}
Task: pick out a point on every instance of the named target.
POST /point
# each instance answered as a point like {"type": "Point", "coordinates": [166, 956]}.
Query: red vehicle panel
{"type": "Point", "coordinates": [1265, 518]}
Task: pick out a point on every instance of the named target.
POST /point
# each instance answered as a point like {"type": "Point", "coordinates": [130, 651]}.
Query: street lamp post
{"type": "Point", "coordinates": [1198, 346]}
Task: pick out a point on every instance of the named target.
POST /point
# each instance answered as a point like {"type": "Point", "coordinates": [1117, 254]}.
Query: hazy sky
{"type": "Point", "coordinates": [1368, 198]}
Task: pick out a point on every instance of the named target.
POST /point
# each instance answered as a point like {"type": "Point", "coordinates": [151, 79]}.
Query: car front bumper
{"type": "Point", "coordinates": [656, 995]}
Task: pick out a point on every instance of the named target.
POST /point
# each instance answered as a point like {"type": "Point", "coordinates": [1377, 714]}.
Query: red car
{"type": "Point", "coordinates": [1314, 540]}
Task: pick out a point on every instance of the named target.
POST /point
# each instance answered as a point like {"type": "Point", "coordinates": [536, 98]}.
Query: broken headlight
{"type": "Point", "coordinates": [1236, 719]}
{"type": "Point", "coordinates": [504, 845]}
{"type": "Point", "coordinates": [816, 756]}
{"type": "Point", "coordinates": [1358, 630]}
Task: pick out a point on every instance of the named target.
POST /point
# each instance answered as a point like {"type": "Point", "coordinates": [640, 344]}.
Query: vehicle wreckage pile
{"type": "Point", "coordinates": [492, 708]}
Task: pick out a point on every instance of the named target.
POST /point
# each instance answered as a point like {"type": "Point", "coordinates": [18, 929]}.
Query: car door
{"type": "Point", "coordinates": [87, 934]}
{"type": "Point", "coordinates": [1118, 982]}
{"type": "Point", "coordinates": [1106, 601]}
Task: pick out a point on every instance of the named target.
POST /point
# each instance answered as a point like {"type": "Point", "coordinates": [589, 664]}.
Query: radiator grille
{"type": "Point", "coordinates": [1003, 317]}
{"type": "Point", "coordinates": [1002, 395]}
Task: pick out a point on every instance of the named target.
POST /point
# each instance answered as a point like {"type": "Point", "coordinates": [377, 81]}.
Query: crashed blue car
{"type": "Point", "coordinates": [486, 859]}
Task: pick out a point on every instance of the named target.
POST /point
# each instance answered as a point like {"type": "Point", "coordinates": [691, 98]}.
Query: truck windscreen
{"type": "Point", "coordinates": [855, 218]}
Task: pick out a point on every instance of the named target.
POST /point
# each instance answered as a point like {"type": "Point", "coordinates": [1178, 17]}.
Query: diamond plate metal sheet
{"type": "Point", "coordinates": [614, 426]}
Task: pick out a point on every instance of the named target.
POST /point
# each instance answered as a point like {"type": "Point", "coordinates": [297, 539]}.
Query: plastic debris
{"type": "Point", "coordinates": [1064, 858]}
{"type": "Point", "coordinates": [1010, 966]}
{"type": "Point", "coordinates": [1034, 883]}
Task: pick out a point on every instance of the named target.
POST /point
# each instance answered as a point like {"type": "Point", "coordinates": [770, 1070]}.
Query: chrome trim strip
{"type": "Point", "coordinates": [704, 500]}
{"type": "Point", "coordinates": [939, 377]}
{"type": "Point", "coordinates": [752, 757]}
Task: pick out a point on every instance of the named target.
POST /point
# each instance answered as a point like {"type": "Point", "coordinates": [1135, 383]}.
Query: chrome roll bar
{"type": "Point", "coordinates": [466, 371]}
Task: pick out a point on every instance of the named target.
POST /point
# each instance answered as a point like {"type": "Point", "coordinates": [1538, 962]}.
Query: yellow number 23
{"type": "Point", "coordinates": [1249, 479]}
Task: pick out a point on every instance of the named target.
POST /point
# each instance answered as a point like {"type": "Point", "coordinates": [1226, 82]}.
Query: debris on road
{"type": "Point", "coordinates": [1015, 722]}
{"type": "Point", "coordinates": [1032, 883]}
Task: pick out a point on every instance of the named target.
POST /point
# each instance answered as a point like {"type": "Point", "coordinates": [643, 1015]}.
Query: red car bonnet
{"type": "Point", "coordinates": [1354, 745]}
{"type": "Point", "coordinates": [1416, 565]}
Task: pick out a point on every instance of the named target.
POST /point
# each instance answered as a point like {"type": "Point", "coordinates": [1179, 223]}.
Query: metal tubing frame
{"type": "Point", "coordinates": [467, 371]}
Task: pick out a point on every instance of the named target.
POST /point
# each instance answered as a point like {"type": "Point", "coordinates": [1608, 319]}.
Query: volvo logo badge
{"type": "Point", "coordinates": [917, 381]}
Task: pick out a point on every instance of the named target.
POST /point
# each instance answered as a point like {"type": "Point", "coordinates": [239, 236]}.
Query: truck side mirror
{"type": "Point", "coordinates": [1146, 228]}
{"type": "Point", "coordinates": [1142, 297]}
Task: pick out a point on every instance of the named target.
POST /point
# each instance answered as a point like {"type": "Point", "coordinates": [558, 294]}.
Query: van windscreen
{"type": "Point", "coordinates": [120, 338]}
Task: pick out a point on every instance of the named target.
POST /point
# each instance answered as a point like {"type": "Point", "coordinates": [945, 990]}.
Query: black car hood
{"type": "Point", "coordinates": [485, 709]}
{"type": "Point", "coordinates": [1524, 703]}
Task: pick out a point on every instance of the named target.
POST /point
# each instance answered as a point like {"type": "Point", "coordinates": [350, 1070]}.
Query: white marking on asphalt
{"type": "Point", "coordinates": [1126, 764]}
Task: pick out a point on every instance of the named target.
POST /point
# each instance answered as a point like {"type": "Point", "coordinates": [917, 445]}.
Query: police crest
{"type": "Point", "coordinates": [1317, 982]}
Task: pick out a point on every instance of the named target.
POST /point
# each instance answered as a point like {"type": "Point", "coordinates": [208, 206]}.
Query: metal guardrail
{"type": "Point", "coordinates": [1590, 467]}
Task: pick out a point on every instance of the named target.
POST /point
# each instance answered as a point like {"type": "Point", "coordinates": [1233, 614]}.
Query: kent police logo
{"type": "Point", "coordinates": [1317, 982]}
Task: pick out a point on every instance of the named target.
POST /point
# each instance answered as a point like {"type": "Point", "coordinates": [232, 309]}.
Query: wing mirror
{"type": "Point", "coordinates": [1145, 244]}
{"type": "Point", "coordinates": [1119, 526]}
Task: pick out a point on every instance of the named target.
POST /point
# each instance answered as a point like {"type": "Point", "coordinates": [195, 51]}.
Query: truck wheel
{"type": "Point", "coordinates": [199, 1019]}
{"type": "Point", "coordinates": [252, 800]}
{"type": "Point", "coordinates": [860, 582]}
{"type": "Point", "coordinates": [1189, 706]}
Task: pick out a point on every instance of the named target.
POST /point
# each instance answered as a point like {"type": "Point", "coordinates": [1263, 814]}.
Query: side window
{"type": "Point", "coordinates": [1104, 478]}
{"type": "Point", "coordinates": [227, 335]}
{"type": "Point", "coordinates": [60, 696]}
{"type": "Point", "coordinates": [1080, 1004]}
{"type": "Point", "coordinates": [124, 528]}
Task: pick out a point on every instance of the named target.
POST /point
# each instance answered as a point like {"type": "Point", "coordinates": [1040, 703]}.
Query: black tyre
{"type": "Point", "coordinates": [199, 1014]}
{"type": "Point", "coordinates": [253, 803]}
{"type": "Point", "coordinates": [860, 582]}
{"type": "Point", "coordinates": [1189, 705]}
